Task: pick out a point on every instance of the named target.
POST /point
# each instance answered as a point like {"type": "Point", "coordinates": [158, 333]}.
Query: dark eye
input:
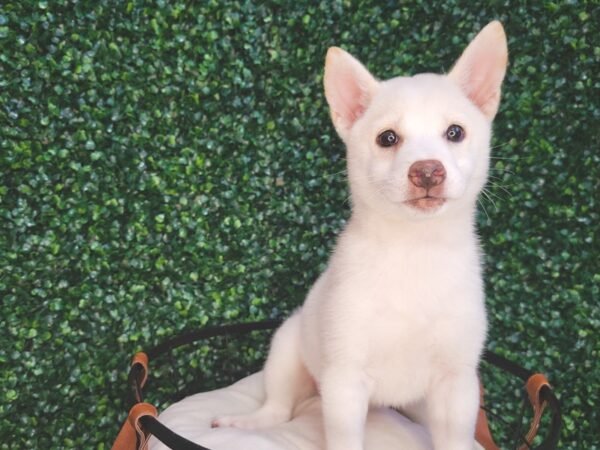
{"type": "Point", "coordinates": [455, 133]}
{"type": "Point", "coordinates": [387, 138]}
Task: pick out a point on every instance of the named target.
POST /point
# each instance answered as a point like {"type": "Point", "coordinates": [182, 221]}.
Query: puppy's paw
{"type": "Point", "coordinates": [263, 418]}
{"type": "Point", "coordinates": [224, 421]}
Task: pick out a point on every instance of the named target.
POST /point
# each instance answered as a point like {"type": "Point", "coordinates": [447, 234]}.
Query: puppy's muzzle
{"type": "Point", "coordinates": [427, 174]}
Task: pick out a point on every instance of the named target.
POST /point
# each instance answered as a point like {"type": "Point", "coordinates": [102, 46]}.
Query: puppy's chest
{"type": "Point", "coordinates": [414, 302]}
{"type": "Point", "coordinates": [413, 317]}
{"type": "Point", "coordinates": [405, 318]}
{"type": "Point", "coordinates": [418, 286]}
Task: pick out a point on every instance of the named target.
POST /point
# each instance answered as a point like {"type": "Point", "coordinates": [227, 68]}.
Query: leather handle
{"type": "Point", "coordinates": [534, 386]}
{"type": "Point", "coordinates": [132, 436]}
{"type": "Point", "coordinates": [142, 359]}
{"type": "Point", "coordinates": [483, 434]}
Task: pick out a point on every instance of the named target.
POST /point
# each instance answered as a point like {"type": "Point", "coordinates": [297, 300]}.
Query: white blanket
{"type": "Point", "coordinates": [191, 417]}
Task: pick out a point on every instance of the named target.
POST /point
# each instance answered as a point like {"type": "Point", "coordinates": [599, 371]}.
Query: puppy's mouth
{"type": "Point", "coordinates": [426, 202]}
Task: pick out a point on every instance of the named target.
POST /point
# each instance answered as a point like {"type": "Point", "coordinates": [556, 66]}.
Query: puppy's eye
{"type": "Point", "coordinates": [455, 133]}
{"type": "Point", "coordinates": [387, 138]}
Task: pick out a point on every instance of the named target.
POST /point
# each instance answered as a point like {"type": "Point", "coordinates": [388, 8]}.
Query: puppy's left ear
{"type": "Point", "coordinates": [480, 69]}
{"type": "Point", "coordinates": [349, 88]}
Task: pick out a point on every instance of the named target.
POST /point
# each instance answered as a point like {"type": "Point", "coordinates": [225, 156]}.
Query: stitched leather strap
{"type": "Point", "coordinates": [132, 436]}
{"type": "Point", "coordinates": [142, 359]}
{"type": "Point", "coordinates": [126, 439]}
{"type": "Point", "coordinates": [535, 383]}
{"type": "Point", "coordinates": [482, 430]}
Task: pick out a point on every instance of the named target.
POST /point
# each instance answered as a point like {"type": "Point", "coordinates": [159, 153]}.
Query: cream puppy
{"type": "Point", "coordinates": [398, 316]}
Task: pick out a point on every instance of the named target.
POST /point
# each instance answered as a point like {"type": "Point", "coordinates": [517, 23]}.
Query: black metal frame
{"type": "Point", "coordinates": [177, 442]}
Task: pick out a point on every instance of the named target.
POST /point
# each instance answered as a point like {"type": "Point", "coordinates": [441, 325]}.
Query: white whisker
{"type": "Point", "coordinates": [335, 174]}
{"type": "Point", "coordinates": [498, 197]}
{"type": "Point", "coordinates": [499, 145]}
{"type": "Point", "coordinates": [502, 170]}
{"type": "Point", "coordinates": [487, 195]}
{"type": "Point", "coordinates": [502, 187]}
{"type": "Point", "coordinates": [484, 210]}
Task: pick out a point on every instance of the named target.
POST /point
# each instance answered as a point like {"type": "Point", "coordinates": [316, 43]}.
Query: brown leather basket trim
{"type": "Point", "coordinates": [131, 433]}
{"type": "Point", "coordinates": [140, 410]}
{"type": "Point", "coordinates": [126, 439]}
{"type": "Point", "coordinates": [141, 358]}
{"type": "Point", "coordinates": [534, 385]}
{"type": "Point", "coordinates": [482, 430]}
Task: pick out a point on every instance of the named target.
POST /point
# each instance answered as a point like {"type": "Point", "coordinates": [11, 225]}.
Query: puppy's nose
{"type": "Point", "coordinates": [427, 174]}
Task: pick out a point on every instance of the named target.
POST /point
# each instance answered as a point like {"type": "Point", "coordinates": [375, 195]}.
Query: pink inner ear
{"type": "Point", "coordinates": [348, 88]}
{"type": "Point", "coordinates": [482, 83]}
{"type": "Point", "coordinates": [480, 69]}
{"type": "Point", "coordinates": [349, 98]}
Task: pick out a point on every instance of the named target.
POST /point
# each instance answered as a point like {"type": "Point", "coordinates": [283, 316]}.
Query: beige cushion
{"type": "Point", "coordinates": [191, 418]}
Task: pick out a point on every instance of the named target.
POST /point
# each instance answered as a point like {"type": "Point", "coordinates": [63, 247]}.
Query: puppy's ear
{"type": "Point", "coordinates": [349, 88]}
{"type": "Point", "coordinates": [480, 69]}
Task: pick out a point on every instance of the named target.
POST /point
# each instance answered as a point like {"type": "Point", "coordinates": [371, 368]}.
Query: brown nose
{"type": "Point", "coordinates": [427, 174]}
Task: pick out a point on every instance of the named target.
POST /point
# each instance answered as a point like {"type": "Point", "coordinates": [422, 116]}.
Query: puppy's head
{"type": "Point", "coordinates": [418, 146]}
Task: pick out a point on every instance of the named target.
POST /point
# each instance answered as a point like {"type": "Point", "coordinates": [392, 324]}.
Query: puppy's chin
{"type": "Point", "coordinates": [417, 209]}
{"type": "Point", "coordinates": [394, 205]}
{"type": "Point", "coordinates": [426, 204]}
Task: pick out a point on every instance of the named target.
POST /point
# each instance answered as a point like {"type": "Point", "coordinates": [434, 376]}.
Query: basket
{"type": "Point", "coordinates": [142, 420]}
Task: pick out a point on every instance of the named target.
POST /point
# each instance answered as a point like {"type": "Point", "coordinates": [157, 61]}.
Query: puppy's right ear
{"type": "Point", "coordinates": [480, 69]}
{"type": "Point", "coordinates": [349, 88]}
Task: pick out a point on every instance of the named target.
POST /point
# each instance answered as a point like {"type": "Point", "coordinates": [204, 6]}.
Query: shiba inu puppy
{"type": "Point", "coordinates": [398, 316]}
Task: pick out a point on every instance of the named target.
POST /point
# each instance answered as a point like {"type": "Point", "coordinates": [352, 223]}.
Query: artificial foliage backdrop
{"type": "Point", "coordinates": [165, 165]}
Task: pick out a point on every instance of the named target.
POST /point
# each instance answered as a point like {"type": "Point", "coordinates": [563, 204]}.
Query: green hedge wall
{"type": "Point", "coordinates": [169, 164]}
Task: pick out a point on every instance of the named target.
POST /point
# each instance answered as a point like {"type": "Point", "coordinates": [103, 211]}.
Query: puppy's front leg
{"type": "Point", "coordinates": [345, 395]}
{"type": "Point", "coordinates": [452, 406]}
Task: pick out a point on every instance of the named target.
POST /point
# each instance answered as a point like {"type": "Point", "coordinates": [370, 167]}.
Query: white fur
{"type": "Point", "coordinates": [398, 316]}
